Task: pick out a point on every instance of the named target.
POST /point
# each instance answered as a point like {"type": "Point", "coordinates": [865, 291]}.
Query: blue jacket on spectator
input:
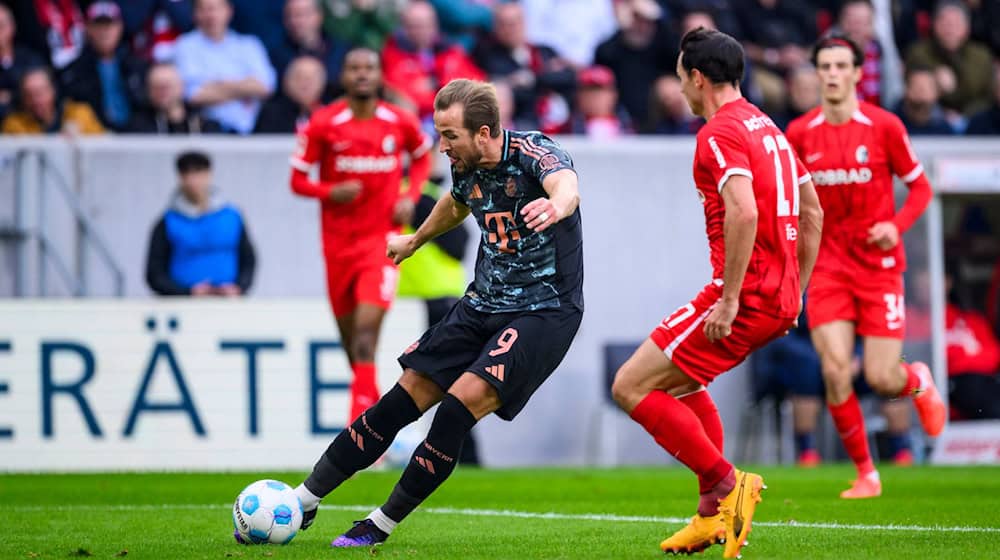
{"type": "Point", "coordinates": [190, 246]}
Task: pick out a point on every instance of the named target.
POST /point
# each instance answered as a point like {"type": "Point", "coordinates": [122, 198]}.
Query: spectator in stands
{"type": "Point", "coordinates": [777, 35]}
{"type": "Point", "coordinates": [988, 120]}
{"type": "Point", "coordinates": [305, 37]}
{"type": "Point", "coordinates": [857, 21]}
{"type": "Point", "coordinates": [263, 19]}
{"type": "Point", "coordinates": [226, 73]}
{"type": "Point", "coordinates": [803, 94]}
{"type": "Point", "coordinates": [166, 112]}
{"type": "Point", "coordinates": [919, 110]}
{"type": "Point", "coordinates": [301, 93]}
{"type": "Point", "coordinates": [14, 60]}
{"type": "Point", "coordinates": [642, 49]}
{"type": "Point", "coordinates": [200, 247]}
{"type": "Point", "coordinates": [539, 79]}
{"type": "Point", "coordinates": [959, 63]}
{"type": "Point", "coordinates": [153, 26]}
{"type": "Point", "coordinates": [362, 23]}
{"type": "Point", "coordinates": [105, 75]}
{"type": "Point", "coordinates": [53, 28]}
{"type": "Point", "coordinates": [599, 115]}
{"type": "Point", "coordinates": [417, 61]}
{"type": "Point", "coordinates": [42, 111]}
{"type": "Point", "coordinates": [575, 37]}
{"type": "Point", "coordinates": [669, 112]}
{"type": "Point", "coordinates": [463, 20]}
{"type": "Point", "coordinates": [973, 356]}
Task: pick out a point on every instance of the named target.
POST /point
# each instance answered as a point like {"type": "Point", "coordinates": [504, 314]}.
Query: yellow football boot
{"type": "Point", "coordinates": [737, 510]}
{"type": "Point", "coordinates": [699, 534]}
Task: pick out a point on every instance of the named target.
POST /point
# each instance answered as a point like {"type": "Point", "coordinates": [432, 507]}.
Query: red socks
{"type": "Point", "coordinates": [364, 388]}
{"type": "Point", "coordinates": [912, 382]}
{"type": "Point", "coordinates": [678, 430]}
{"type": "Point", "coordinates": [702, 405]}
{"type": "Point", "coordinates": [851, 426]}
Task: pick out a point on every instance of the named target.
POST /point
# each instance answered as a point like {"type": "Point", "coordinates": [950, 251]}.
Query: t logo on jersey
{"type": "Point", "coordinates": [499, 234]}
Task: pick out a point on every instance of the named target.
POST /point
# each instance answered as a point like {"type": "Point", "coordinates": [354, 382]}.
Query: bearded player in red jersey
{"type": "Point", "coordinates": [752, 187]}
{"type": "Point", "coordinates": [853, 149]}
{"type": "Point", "coordinates": [359, 143]}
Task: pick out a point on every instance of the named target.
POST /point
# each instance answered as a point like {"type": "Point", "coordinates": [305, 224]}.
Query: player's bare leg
{"type": "Point", "coordinates": [359, 445]}
{"type": "Point", "coordinates": [345, 324]}
{"type": "Point", "coordinates": [644, 387]}
{"type": "Point", "coordinates": [365, 326]}
{"type": "Point", "coordinates": [834, 342]}
{"type": "Point", "coordinates": [888, 375]}
{"type": "Point", "coordinates": [469, 399]}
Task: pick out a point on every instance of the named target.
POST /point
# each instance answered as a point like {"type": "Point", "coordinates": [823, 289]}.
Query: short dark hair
{"type": "Point", "coordinates": [834, 39]}
{"type": "Point", "coordinates": [192, 161]}
{"type": "Point", "coordinates": [914, 69]}
{"type": "Point", "coordinates": [716, 55]}
{"type": "Point", "coordinates": [479, 104]}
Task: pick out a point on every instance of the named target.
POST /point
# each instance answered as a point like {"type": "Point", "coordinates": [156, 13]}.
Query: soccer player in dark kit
{"type": "Point", "coordinates": [501, 341]}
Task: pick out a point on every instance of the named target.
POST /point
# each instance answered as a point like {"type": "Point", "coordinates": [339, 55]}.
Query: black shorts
{"type": "Point", "coordinates": [514, 352]}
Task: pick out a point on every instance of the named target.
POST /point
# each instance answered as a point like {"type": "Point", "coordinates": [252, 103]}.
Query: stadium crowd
{"type": "Point", "coordinates": [604, 68]}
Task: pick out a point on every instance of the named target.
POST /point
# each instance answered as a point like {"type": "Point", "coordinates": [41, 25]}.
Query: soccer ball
{"type": "Point", "coordinates": [403, 446]}
{"type": "Point", "coordinates": [267, 511]}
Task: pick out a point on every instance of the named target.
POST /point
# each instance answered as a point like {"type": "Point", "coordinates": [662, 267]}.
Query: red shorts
{"type": "Point", "coordinates": [681, 336]}
{"type": "Point", "coordinates": [355, 278]}
{"type": "Point", "coordinates": [873, 302]}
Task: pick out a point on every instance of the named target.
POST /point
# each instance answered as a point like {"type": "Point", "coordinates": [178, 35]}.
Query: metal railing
{"type": "Point", "coordinates": [49, 178]}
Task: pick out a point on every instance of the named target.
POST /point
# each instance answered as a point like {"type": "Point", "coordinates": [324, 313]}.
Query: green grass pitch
{"type": "Point", "coordinates": [595, 513]}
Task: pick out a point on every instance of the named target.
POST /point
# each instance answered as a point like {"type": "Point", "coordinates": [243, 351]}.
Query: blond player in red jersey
{"type": "Point", "coordinates": [358, 143]}
{"type": "Point", "coordinates": [853, 149]}
{"type": "Point", "coordinates": [764, 222]}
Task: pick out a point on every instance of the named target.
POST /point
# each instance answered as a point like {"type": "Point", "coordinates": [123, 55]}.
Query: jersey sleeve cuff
{"type": "Point", "coordinates": [734, 171]}
{"type": "Point", "coordinates": [803, 179]}
{"type": "Point", "coordinates": [299, 164]}
{"type": "Point", "coordinates": [912, 175]}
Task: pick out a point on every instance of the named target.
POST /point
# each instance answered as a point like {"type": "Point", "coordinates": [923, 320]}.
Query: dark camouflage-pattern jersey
{"type": "Point", "coordinates": [518, 269]}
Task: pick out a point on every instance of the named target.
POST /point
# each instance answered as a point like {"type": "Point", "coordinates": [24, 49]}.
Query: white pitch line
{"type": "Point", "coordinates": [529, 515]}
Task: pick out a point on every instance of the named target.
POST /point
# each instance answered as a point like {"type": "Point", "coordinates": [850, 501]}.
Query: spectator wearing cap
{"type": "Point", "coordinates": [417, 61]}
{"type": "Point", "coordinates": [42, 111]}
{"type": "Point", "coordinates": [14, 60]}
{"type": "Point", "coordinates": [988, 120]}
{"type": "Point", "coordinates": [166, 112]}
{"type": "Point", "coordinates": [153, 26]}
{"type": "Point", "coordinates": [305, 37]}
{"type": "Point", "coordinates": [535, 74]}
{"type": "Point", "coordinates": [598, 114]}
{"type": "Point", "coordinates": [53, 28]}
{"type": "Point", "coordinates": [225, 73]}
{"type": "Point", "coordinates": [959, 63]}
{"type": "Point", "coordinates": [105, 75]}
{"type": "Point", "coordinates": [643, 49]}
{"type": "Point", "coordinates": [301, 93]}
{"type": "Point", "coordinates": [200, 246]}
{"type": "Point", "coordinates": [919, 110]}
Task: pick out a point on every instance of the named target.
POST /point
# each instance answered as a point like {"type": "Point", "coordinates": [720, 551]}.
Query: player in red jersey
{"type": "Point", "coordinates": [853, 149]}
{"type": "Point", "coordinates": [752, 188]}
{"type": "Point", "coordinates": [359, 143]}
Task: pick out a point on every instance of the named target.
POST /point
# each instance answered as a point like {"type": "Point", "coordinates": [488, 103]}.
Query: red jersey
{"type": "Point", "coordinates": [741, 140]}
{"type": "Point", "coordinates": [852, 165]}
{"type": "Point", "coordinates": [972, 346]}
{"type": "Point", "coordinates": [368, 150]}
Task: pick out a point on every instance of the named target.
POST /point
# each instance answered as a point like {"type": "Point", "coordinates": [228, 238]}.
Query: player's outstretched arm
{"type": "Point", "coordinates": [740, 233]}
{"type": "Point", "coordinates": [564, 197]}
{"type": "Point", "coordinates": [447, 214]}
{"type": "Point", "coordinates": [810, 231]}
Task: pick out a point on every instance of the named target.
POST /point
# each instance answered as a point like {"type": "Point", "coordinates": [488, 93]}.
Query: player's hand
{"type": "Point", "coordinates": [719, 323]}
{"type": "Point", "coordinates": [202, 289]}
{"type": "Point", "coordinates": [540, 213]}
{"type": "Point", "coordinates": [400, 247]}
{"type": "Point", "coordinates": [402, 214]}
{"type": "Point", "coordinates": [884, 235]}
{"type": "Point", "coordinates": [342, 193]}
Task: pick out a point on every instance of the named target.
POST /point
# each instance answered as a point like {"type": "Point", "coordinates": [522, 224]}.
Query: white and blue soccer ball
{"type": "Point", "coordinates": [403, 446]}
{"type": "Point", "coordinates": [267, 511]}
